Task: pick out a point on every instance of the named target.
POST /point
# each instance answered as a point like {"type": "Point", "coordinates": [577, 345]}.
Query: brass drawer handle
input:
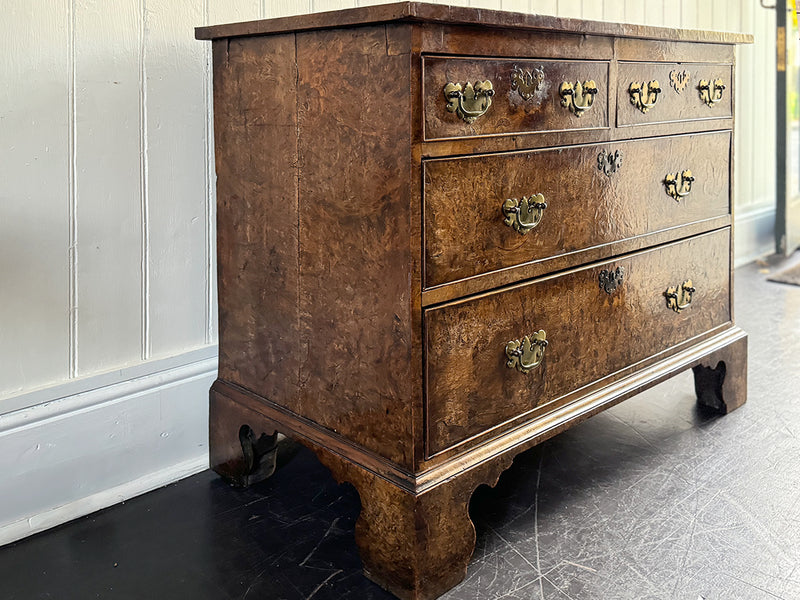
{"type": "Point", "coordinates": [611, 280]}
{"type": "Point", "coordinates": [578, 97]}
{"type": "Point", "coordinates": [524, 214]}
{"type": "Point", "coordinates": [527, 353]}
{"type": "Point", "coordinates": [679, 184]}
{"type": "Point", "coordinates": [644, 95]}
{"type": "Point", "coordinates": [679, 297]}
{"type": "Point", "coordinates": [471, 101]}
{"type": "Point", "coordinates": [527, 82]}
{"type": "Point", "coordinates": [711, 91]}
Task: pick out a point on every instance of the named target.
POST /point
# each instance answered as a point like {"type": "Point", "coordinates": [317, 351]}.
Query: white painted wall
{"type": "Point", "coordinates": [107, 305]}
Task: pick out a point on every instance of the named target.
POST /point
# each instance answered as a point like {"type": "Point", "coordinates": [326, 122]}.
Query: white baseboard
{"type": "Point", "coordinates": [16, 530]}
{"type": "Point", "coordinates": [10, 402]}
{"type": "Point", "coordinates": [754, 233]}
{"type": "Point", "coordinates": [72, 456]}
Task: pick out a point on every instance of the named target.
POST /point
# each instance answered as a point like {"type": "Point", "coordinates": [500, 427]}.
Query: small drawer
{"type": "Point", "coordinates": [595, 324]}
{"type": "Point", "coordinates": [594, 194]}
{"type": "Point", "coordinates": [688, 91]}
{"type": "Point", "coordinates": [469, 97]}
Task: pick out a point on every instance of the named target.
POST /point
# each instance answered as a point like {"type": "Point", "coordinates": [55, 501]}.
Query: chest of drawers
{"type": "Point", "coordinates": [446, 234]}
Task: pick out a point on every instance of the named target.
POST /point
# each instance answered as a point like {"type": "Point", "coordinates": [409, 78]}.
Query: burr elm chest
{"type": "Point", "coordinates": [446, 234]}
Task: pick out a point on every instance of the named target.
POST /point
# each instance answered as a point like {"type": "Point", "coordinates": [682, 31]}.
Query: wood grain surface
{"type": "Point", "coordinates": [466, 41]}
{"type": "Point", "coordinates": [627, 49]}
{"type": "Point", "coordinates": [255, 124]}
{"type": "Point", "coordinates": [465, 233]}
{"type": "Point", "coordinates": [672, 105]}
{"type": "Point", "coordinates": [591, 334]}
{"type": "Point", "coordinates": [509, 112]}
{"type": "Point", "coordinates": [355, 253]}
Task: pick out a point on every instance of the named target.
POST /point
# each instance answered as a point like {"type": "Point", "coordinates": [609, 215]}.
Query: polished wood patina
{"type": "Point", "coordinates": [445, 235]}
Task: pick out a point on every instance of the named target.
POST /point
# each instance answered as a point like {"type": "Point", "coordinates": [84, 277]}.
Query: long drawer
{"type": "Point", "coordinates": [525, 96]}
{"type": "Point", "coordinates": [595, 194]}
{"type": "Point", "coordinates": [688, 91]}
{"type": "Point", "coordinates": [595, 324]}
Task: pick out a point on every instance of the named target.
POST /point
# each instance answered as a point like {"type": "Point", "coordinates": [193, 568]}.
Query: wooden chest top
{"type": "Point", "coordinates": [423, 12]}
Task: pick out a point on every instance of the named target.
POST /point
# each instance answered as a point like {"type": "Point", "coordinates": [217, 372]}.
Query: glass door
{"type": "Point", "coordinates": [787, 218]}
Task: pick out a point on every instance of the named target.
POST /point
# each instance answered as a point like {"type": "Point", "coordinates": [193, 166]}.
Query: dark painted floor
{"type": "Point", "coordinates": [650, 499]}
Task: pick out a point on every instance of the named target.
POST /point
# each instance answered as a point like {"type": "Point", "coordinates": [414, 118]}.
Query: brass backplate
{"type": "Point", "coordinates": [680, 297]}
{"type": "Point", "coordinates": [711, 91]}
{"type": "Point", "coordinates": [523, 214]}
{"type": "Point", "coordinates": [678, 185]}
{"type": "Point", "coordinates": [679, 80]}
{"type": "Point", "coordinates": [469, 101]}
{"type": "Point", "coordinates": [527, 82]}
{"type": "Point", "coordinates": [609, 162]}
{"type": "Point", "coordinates": [526, 354]}
{"type": "Point", "coordinates": [578, 97]}
{"type": "Point", "coordinates": [644, 95]}
{"type": "Point", "coordinates": [611, 280]}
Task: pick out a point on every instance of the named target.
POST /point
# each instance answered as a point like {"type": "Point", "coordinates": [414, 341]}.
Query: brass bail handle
{"type": "Point", "coordinates": [680, 297]}
{"type": "Point", "coordinates": [711, 91]}
{"type": "Point", "coordinates": [578, 97]}
{"type": "Point", "coordinates": [523, 214]}
{"type": "Point", "coordinates": [469, 101]}
{"type": "Point", "coordinates": [526, 354]}
{"type": "Point", "coordinates": [679, 185]}
{"type": "Point", "coordinates": [644, 95]}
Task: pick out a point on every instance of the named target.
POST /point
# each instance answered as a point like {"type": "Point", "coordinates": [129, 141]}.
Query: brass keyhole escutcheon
{"type": "Point", "coordinates": [469, 101]}
{"type": "Point", "coordinates": [678, 185]}
{"type": "Point", "coordinates": [526, 354]}
{"type": "Point", "coordinates": [611, 280]}
{"type": "Point", "coordinates": [609, 162]}
{"type": "Point", "coordinates": [711, 91]}
{"type": "Point", "coordinates": [644, 95]}
{"type": "Point", "coordinates": [523, 214]}
{"type": "Point", "coordinates": [578, 97]}
{"type": "Point", "coordinates": [679, 80]}
{"type": "Point", "coordinates": [527, 82]}
{"type": "Point", "coordinates": [680, 297]}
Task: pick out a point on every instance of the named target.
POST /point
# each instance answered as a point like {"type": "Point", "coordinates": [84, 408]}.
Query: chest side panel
{"type": "Point", "coordinates": [255, 129]}
{"type": "Point", "coordinates": [355, 295]}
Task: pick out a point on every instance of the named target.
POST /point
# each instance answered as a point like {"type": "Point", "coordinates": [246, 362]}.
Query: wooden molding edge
{"type": "Point", "coordinates": [535, 432]}
{"type": "Point", "coordinates": [437, 13]}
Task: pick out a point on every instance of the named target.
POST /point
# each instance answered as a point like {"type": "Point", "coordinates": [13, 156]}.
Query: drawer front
{"type": "Point", "coordinates": [680, 98]}
{"type": "Point", "coordinates": [591, 332]}
{"type": "Point", "coordinates": [525, 96]}
{"type": "Point", "coordinates": [591, 200]}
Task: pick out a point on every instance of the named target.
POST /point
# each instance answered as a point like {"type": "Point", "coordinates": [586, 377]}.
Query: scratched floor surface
{"type": "Point", "coordinates": [650, 499]}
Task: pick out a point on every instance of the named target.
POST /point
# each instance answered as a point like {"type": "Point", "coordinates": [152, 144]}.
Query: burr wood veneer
{"type": "Point", "coordinates": [447, 234]}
